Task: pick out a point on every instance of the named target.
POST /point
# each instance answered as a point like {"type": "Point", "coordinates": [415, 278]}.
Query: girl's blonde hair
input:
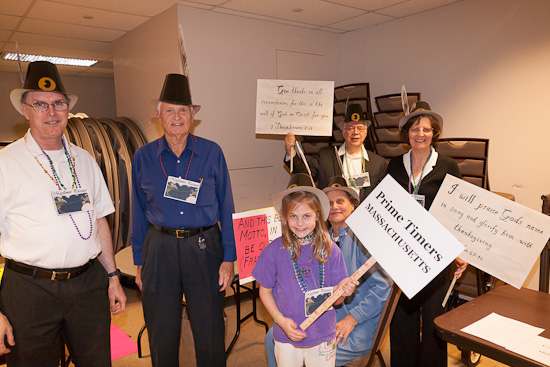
{"type": "Point", "coordinates": [321, 238]}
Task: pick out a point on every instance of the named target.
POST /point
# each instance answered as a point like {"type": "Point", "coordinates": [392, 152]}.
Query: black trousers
{"type": "Point", "coordinates": [413, 337]}
{"type": "Point", "coordinates": [40, 310]}
{"type": "Point", "coordinates": [171, 267]}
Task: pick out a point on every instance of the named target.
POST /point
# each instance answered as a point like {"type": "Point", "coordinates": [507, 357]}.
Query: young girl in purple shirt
{"type": "Point", "coordinates": [296, 273]}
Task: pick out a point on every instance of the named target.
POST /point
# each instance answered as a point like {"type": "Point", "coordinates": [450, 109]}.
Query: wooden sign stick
{"type": "Point", "coordinates": [337, 294]}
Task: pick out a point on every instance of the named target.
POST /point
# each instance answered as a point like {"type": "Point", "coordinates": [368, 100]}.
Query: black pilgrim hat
{"type": "Point", "coordinates": [176, 90]}
{"type": "Point", "coordinates": [354, 113]}
{"type": "Point", "coordinates": [41, 76]}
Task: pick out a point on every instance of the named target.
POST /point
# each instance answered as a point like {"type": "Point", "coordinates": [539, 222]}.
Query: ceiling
{"type": "Point", "coordinates": [86, 29]}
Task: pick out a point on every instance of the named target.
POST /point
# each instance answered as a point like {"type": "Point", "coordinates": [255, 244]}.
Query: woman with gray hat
{"type": "Point", "coordinates": [421, 171]}
{"type": "Point", "coordinates": [357, 317]}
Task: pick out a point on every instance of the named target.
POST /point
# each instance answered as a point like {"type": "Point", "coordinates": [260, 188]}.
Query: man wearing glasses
{"type": "Point", "coordinates": [53, 285]}
{"type": "Point", "coordinates": [362, 169]}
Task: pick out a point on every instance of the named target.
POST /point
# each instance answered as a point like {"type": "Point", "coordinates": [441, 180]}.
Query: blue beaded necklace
{"type": "Point", "coordinates": [297, 272]}
{"type": "Point", "coordinates": [60, 186]}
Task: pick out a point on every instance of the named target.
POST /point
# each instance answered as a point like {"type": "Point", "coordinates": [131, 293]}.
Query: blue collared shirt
{"type": "Point", "coordinates": [200, 160]}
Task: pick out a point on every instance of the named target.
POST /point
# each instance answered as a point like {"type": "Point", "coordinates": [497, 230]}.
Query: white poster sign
{"type": "Point", "coordinates": [500, 237]}
{"type": "Point", "coordinates": [403, 237]}
{"type": "Point", "coordinates": [251, 237]}
{"type": "Point", "coordinates": [302, 107]}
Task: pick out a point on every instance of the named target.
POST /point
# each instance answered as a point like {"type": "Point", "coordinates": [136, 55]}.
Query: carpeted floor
{"type": "Point", "coordinates": [249, 348]}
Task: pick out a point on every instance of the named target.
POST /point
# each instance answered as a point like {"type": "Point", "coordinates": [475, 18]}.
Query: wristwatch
{"type": "Point", "coordinates": [115, 273]}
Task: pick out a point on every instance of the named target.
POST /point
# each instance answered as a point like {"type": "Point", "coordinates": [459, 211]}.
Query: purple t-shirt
{"type": "Point", "coordinates": [274, 270]}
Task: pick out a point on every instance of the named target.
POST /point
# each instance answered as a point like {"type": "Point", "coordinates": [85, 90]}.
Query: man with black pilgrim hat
{"type": "Point", "coordinates": [176, 240]}
{"type": "Point", "coordinates": [53, 284]}
{"type": "Point", "coordinates": [361, 168]}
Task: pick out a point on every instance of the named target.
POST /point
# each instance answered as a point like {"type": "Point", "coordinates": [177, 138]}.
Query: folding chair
{"type": "Point", "coordinates": [391, 102]}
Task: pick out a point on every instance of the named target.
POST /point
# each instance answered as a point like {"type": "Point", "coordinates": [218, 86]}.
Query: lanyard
{"type": "Point", "coordinates": [347, 166]}
{"type": "Point", "coordinates": [189, 165]}
{"type": "Point", "coordinates": [56, 180]}
{"type": "Point", "coordinates": [416, 187]}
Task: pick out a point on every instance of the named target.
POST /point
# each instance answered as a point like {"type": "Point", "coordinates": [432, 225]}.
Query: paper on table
{"type": "Point", "coordinates": [502, 331]}
{"type": "Point", "coordinates": [537, 349]}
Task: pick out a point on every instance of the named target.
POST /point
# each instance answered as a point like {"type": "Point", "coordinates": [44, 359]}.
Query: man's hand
{"type": "Point", "coordinates": [344, 328]}
{"type": "Point", "coordinates": [290, 140]}
{"type": "Point", "coordinates": [138, 277]}
{"type": "Point", "coordinates": [227, 273]}
{"type": "Point", "coordinates": [6, 333]}
{"type": "Point", "coordinates": [117, 298]}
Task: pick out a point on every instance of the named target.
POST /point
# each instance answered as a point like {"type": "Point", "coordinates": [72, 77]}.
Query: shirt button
{"type": "Point", "coordinates": [181, 212]}
{"type": "Point", "coordinates": [178, 161]}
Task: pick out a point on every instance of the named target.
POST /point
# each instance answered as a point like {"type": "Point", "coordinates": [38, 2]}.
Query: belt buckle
{"type": "Point", "coordinates": [61, 273]}
{"type": "Point", "coordinates": [182, 231]}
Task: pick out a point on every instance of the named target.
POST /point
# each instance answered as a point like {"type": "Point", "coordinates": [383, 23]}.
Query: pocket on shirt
{"type": "Point", "coordinates": [207, 192]}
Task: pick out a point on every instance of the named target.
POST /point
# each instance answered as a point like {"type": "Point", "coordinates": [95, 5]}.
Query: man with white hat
{"type": "Point", "coordinates": [53, 285]}
{"type": "Point", "coordinates": [181, 191]}
{"type": "Point", "coordinates": [363, 169]}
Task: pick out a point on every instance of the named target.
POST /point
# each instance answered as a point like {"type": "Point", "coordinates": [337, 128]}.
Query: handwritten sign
{"type": "Point", "coordinates": [301, 107]}
{"type": "Point", "coordinates": [411, 245]}
{"type": "Point", "coordinates": [500, 237]}
{"type": "Point", "coordinates": [254, 230]}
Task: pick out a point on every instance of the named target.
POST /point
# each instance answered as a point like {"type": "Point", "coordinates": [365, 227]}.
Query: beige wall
{"type": "Point", "coordinates": [485, 66]}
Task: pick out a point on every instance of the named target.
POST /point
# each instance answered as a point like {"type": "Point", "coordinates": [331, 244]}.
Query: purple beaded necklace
{"type": "Point", "coordinates": [60, 186]}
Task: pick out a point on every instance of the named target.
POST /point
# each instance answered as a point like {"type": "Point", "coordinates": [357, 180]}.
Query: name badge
{"type": "Point", "coordinates": [361, 180]}
{"type": "Point", "coordinates": [182, 190]}
{"type": "Point", "coordinates": [420, 198]}
{"type": "Point", "coordinates": [71, 201]}
{"type": "Point", "coordinates": [315, 298]}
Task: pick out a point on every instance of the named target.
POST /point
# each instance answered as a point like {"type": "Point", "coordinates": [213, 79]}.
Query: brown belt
{"type": "Point", "coordinates": [183, 233]}
{"type": "Point", "coordinates": [53, 274]}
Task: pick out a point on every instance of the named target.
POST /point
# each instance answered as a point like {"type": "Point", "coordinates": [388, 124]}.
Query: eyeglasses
{"type": "Point", "coordinates": [59, 106]}
{"type": "Point", "coordinates": [417, 130]}
{"type": "Point", "coordinates": [359, 129]}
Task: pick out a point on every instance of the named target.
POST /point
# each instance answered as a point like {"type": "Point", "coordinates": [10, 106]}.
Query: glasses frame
{"type": "Point", "coordinates": [351, 129]}
{"type": "Point", "coordinates": [58, 106]}
{"type": "Point", "coordinates": [417, 130]}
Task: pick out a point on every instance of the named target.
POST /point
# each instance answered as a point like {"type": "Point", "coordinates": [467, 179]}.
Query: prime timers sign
{"type": "Point", "coordinates": [411, 245]}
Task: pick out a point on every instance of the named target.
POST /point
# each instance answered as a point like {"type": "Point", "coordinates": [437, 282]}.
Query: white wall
{"type": "Point", "coordinates": [227, 55]}
{"type": "Point", "coordinates": [96, 98]}
{"type": "Point", "coordinates": [485, 66]}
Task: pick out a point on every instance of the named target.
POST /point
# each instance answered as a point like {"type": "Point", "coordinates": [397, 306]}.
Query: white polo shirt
{"type": "Point", "coordinates": [32, 231]}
